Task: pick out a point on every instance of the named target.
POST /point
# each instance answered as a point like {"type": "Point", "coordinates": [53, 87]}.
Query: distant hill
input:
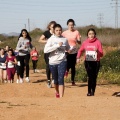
{"type": "Point", "coordinates": [11, 34]}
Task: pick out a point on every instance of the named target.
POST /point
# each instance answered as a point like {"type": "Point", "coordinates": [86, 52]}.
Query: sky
{"type": "Point", "coordinates": [14, 14]}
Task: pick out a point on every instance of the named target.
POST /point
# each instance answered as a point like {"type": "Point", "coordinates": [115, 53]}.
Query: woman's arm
{"type": "Point", "coordinates": [19, 46]}
{"type": "Point", "coordinates": [42, 39]}
{"type": "Point", "coordinates": [78, 38]}
{"type": "Point", "coordinates": [49, 47]}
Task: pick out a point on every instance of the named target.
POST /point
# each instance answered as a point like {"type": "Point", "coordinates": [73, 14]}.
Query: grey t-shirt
{"type": "Point", "coordinates": [23, 46]}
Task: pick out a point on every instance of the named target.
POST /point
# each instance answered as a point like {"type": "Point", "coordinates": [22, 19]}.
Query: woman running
{"type": "Point", "coordinates": [73, 37]}
{"type": "Point", "coordinates": [57, 46]}
{"type": "Point", "coordinates": [11, 62]}
{"type": "Point", "coordinates": [43, 39]}
{"type": "Point", "coordinates": [93, 51]}
{"type": "Point", "coordinates": [3, 72]}
{"type": "Point", "coordinates": [24, 46]}
{"type": "Point", "coordinates": [34, 55]}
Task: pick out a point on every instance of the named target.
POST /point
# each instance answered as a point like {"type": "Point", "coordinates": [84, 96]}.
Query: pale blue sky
{"type": "Point", "coordinates": [15, 13]}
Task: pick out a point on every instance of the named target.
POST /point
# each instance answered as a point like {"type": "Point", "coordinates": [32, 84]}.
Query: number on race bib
{"type": "Point", "coordinates": [91, 55]}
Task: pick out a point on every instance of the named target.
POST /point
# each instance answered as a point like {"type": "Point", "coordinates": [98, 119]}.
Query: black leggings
{"type": "Point", "coordinates": [92, 68]}
{"type": "Point", "coordinates": [24, 62]}
{"type": "Point", "coordinates": [71, 62]}
{"type": "Point", "coordinates": [34, 64]}
{"type": "Point", "coordinates": [46, 57]}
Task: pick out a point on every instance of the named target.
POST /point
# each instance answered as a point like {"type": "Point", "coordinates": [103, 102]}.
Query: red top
{"type": "Point", "coordinates": [34, 55]}
{"type": "Point", "coordinates": [9, 64]}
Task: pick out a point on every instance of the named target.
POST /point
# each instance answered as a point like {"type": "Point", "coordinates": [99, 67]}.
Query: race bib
{"type": "Point", "coordinates": [73, 49]}
{"type": "Point", "coordinates": [3, 65]}
{"type": "Point", "coordinates": [18, 63]}
{"type": "Point", "coordinates": [34, 54]}
{"type": "Point", "coordinates": [10, 65]}
{"type": "Point", "coordinates": [91, 55]}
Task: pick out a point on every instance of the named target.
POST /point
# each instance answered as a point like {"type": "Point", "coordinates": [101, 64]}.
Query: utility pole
{"type": "Point", "coordinates": [116, 12]}
{"type": "Point", "coordinates": [25, 26]}
{"type": "Point", "coordinates": [29, 24]}
{"type": "Point", "coordinates": [100, 19]}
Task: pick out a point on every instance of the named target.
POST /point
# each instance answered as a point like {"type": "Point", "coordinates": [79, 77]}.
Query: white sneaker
{"type": "Point", "coordinates": [21, 80]}
{"type": "Point", "coordinates": [49, 85]}
{"type": "Point", "coordinates": [17, 81]}
{"type": "Point", "coordinates": [27, 79]}
{"type": "Point", "coordinates": [52, 81]}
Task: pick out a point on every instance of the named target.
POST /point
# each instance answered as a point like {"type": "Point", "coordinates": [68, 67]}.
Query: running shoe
{"type": "Point", "coordinates": [17, 81]}
{"type": "Point", "coordinates": [49, 84]}
{"type": "Point", "coordinates": [21, 80]}
{"type": "Point", "coordinates": [57, 95]}
{"type": "Point", "coordinates": [27, 79]}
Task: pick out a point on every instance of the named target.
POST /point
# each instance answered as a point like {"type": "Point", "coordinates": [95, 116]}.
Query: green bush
{"type": "Point", "coordinates": [109, 71]}
{"type": "Point", "coordinates": [110, 67]}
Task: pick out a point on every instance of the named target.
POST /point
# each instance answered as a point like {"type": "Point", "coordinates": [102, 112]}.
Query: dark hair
{"type": "Point", "coordinates": [28, 36]}
{"type": "Point", "coordinates": [71, 20]}
{"type": "Point", "coordinates": [11, 51]}
{"type": "Point", "coordinates": [52, 22]}
{"type": "Point", "coordinates": [2, 49]}
{"type": "Point", "coordinates": [91, 29]}
{"type": "Point", "coordinates": [57, 26]}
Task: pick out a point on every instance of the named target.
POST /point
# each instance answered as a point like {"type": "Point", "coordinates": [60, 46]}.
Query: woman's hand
{"type": "Point", "coordinates": [77, 60]}
{"type": "Point", "coordinates": [60, 44]}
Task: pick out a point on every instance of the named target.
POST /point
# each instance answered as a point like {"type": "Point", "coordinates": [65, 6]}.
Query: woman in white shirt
{"type": "Point", "coordinates": [57, 46]}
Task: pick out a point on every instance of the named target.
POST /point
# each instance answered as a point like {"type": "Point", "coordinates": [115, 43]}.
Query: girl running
{"type": "Point", "coordinates": [24, 46]}
{"type": "Point", "coordinates": [3, 72]}
{"type": "Point", "coordinates": [43, 39]}
{"type": "Point", "coordinates": [73, 37]}
{"type": "Point", "coordinates": [56, 46]}
{"type": "Point", "coordinates": [16, 52]}
{"type": "Point", "coordinates": [11, 62]}
{"type": "Point", "coordinates": [34, 55]}
{"type": "Point", "coordinates": [93, 51]}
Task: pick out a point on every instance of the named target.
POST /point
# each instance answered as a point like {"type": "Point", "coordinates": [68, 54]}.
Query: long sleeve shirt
{"type": "Point", "coordinates": [57, 52]}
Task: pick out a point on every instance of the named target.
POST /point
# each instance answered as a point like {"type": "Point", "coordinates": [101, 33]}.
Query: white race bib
{"type": "Point", "coordinates": [10, 65]}
{"type": "Point", "coordinates": [34, 54]}
{"type": "Point", "coordinates": [91, 55]}
{"type": "Point", "coordinates": [18, 63]}
{"type": "Point", "coordinates": [73, 49]}
{"type": "Point", "coordinates": [3, 66]}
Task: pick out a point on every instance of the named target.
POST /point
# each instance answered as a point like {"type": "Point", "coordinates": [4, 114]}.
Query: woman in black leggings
{"type": "Point", "coordinates": [24, 46]}
{"type": "Point", "coordinates": [93, 51]}
{"type": "Point", "coordinates": [43, 39]}
{"type": "Point", "coordinates": [73, 36]}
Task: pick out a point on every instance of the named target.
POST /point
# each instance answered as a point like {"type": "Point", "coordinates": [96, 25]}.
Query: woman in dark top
{"type": "Point", "coordinates": [3, 72]}
{"type": "Point", "coordinates": [43, 39]}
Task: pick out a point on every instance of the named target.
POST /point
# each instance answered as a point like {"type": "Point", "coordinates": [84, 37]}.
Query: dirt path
{"type": "Point", "coordinates": [34, 101]}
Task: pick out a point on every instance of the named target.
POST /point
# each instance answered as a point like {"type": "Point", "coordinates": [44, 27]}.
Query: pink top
{"type": "Point", "coordinates": [35, 55]}
{"type": "Point", "coordinates": [91, 45]}
{"type": "Point", "coordinates": [72, 36]}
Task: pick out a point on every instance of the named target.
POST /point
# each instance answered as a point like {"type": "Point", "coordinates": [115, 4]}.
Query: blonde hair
{"type": "Point", "coordinates": [52, 22]}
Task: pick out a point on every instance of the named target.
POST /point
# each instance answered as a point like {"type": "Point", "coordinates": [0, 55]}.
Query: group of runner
{"type": "Point", "coordinates": [61, 52]}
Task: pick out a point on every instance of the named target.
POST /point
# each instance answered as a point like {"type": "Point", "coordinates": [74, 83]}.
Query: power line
{"type": "Point", "coordinates": [100, 19]}
{"type": "Point", "coordinates": [116, 12]}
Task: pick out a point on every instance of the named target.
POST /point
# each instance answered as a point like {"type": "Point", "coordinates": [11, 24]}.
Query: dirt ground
{"type": "Point", "coordinates": [34, 101]}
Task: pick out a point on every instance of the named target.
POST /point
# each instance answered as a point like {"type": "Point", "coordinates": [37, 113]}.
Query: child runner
{"type": "Point", "coordinates": [56, 46]}
{"type": "Point", "coordinates": [11, 62]}
{"type": "Point", "coordinates": [3, 72]}
{"type": "Point", "coordinates": [93, 51]}
{"type": "Point", "coordinates": [23, 46]}
{"type": "Point", "coordinates": [43, 39]}
{"type": "Point", "coordinates": [73, 37]}
{"type": "Point", "coordinates": [34, 55]}
{"type": "Point", "coordinates": [16, 52]}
